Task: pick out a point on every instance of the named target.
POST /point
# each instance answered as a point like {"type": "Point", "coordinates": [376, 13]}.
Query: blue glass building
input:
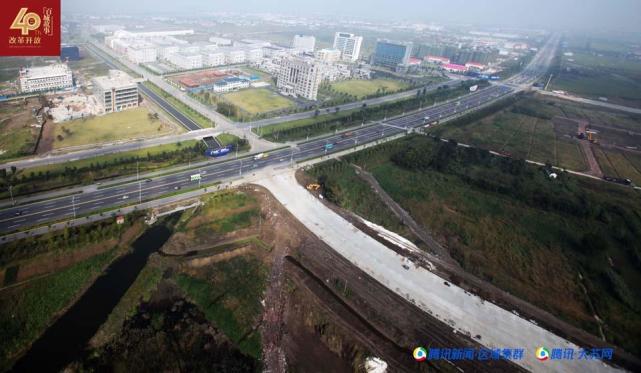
{"type": "Point", "coordinates": [391, 54]}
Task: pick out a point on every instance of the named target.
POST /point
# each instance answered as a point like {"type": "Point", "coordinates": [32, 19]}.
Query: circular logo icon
{"type": "Point", "coordinates": [542, 353]}
{"type": "Point", "coordinates": [420, 354]}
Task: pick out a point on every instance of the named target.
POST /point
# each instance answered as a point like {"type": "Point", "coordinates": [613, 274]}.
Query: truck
{"type": "Point", "coordinates": [195, 177]}
{"type": "Point", "coordinates": [218, 152]}
{"type": "Point", "coordinates": [261, 156]}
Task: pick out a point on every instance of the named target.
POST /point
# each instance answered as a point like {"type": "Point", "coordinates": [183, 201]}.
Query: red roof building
{"type": "Point", "coordinates": [415, 61]}
{"type": "Point", "coordinates": [451, 67]}
{"type": "Point", "coordinates": [437, 59]}
{"type": "Point", "coordinates": [475, 65]}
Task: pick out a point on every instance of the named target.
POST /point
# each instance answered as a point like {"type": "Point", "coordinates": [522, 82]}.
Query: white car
{"type": "Point", "coordinates": [125, 197]}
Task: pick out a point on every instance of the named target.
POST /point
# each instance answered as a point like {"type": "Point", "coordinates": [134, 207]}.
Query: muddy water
{"type": "Point", "coordinates": [66, 339]}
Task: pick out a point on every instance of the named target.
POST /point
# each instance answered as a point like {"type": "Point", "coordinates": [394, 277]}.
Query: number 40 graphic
{"type": "Point", "coordinates": [25, 22]}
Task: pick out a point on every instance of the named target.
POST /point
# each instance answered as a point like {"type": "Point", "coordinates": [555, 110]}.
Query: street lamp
{"type": "Point", "coordinates": [13, 203]}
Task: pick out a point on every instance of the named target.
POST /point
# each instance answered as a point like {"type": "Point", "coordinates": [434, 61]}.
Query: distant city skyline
{"type": "Point", "coordinates": [615, 15]}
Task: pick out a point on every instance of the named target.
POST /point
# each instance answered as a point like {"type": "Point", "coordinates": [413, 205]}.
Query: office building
{"type": "Point", "coordinates": [349, 45]}
{"type": "Point", "coordinates": [304, 43]}
{"type": "Point", "coordinates": [116, 91]}
{"type": "Point", "coordinates": [391, 54]}
{"type": "Point", "coordinates": [300, 77]}
{"type": "Point", "coordinates": [45, 78]}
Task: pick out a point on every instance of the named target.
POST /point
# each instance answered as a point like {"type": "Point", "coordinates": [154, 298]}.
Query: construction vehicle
{"type": "Point", "coordinates": [313, 187]}
{"type": "Point", "coordinates": [591, 136]}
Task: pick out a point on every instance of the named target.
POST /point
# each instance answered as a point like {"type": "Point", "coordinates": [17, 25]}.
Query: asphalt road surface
{"type": "Point", "coordinates": [41, 213]}
{"type": "Point", "coordinates": [180, 117]}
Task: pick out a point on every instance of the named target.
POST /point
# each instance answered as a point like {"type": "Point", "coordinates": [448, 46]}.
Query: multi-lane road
{"type": "Point", "coordinates": [44, 212]}
{"type": "Point", "coordinates": [111, 197]}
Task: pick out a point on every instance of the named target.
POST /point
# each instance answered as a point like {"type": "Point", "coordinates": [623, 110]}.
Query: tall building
{"type": "Point", "coordinates": [45, 78]}
{"type": "Point", "coordinates": [116, 91]}
{"type": "Point", "coordinates": [69, 53]}
{"type": "Point", "coordinates": [391, 54]}
{"type": "Point", "coordinates": [349, 45]}
{"type": "Point", "coordinates": [300, 77]}
{"type": "Point", "coordinates": [304, 43]}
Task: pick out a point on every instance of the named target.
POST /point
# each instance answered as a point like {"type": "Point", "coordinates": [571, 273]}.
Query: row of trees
{"type": "Point", "coordinates": [31, 182]}
{"type": "Point", "coordinates": [367, 113]}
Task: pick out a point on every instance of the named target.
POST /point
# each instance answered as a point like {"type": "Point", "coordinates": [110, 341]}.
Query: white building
{"type": "Point", "coordinates": [234, 56]}
{"type": "Point", "coordinates": [349, 45]}
{"type": "Point", "coordinates": [304, 43]}
{"type": "Point", "coordinates": [253, 55]}
{"type": "Point", "coordinates": [214, 59]}
{"type": "Point", "coordinates": [300, 77]}
{"type": "Point", "coordinates": [221, 42]}
{"type": "Point", "coordinates": [230, 84]}
{"type": "Point", "coordinates": [186, 61]}
{"type": "Point", "coordinates": [142, 53]}
{"type": "Point", "coordinates": [45, 78]}
{"type": "Point", "coordinates": [116, 91]}
{"type": "Point", "coordinates": [328, 55]}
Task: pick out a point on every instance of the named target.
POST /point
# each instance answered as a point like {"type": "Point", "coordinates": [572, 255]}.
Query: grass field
{"type": "Point", "coordinates": [364, 88]}
{"type": "Point", "coordinates": [17, 137]}
{"type": "Point", "coordinates": [257, 101]}
{"type": "Point", "coordinates": [616, 163]}
{"type": "Point", "coordinates": [594, 75]}
{"type": "Point", "coordinates": [26, 311]}
{"type": "Point", "coordinates": [506, 222]}
{"type": "Point", "coordinates": [522, 135]}
{"type": "Point", "coordinates": [128, 124]}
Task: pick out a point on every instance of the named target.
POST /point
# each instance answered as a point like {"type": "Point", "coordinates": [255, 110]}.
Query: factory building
{"type": "Point", "coordinates": [45, 78]}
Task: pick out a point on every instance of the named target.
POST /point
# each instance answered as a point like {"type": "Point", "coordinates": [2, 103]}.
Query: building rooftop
{"type": "Point", "coordinates": [45, 71]}
{"type": "Point", "coordinates": [116, 79]}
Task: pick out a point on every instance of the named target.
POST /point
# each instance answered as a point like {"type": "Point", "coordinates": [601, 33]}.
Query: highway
{"type": "Point", "coordinates": [44, 212]}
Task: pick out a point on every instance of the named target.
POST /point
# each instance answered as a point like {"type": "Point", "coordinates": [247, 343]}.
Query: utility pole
{"type": "Point", "coordinates": [73, 205]}
{"type": "Point", "coordinates": [240, 170]}
{"type": "Point", "coordinates": [200, 176]}
{"type": "Point", "coordinates": [139, 192]}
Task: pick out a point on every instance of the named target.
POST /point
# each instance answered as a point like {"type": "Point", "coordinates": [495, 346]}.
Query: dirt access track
{"type": "Point", "coordinates": [466, 313]}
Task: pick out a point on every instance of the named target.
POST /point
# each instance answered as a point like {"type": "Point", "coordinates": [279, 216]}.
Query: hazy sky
{"type": "Point", "coordinates": [622, 15]}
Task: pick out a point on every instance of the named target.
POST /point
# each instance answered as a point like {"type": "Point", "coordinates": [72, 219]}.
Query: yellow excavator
{"type": "Point", "coordinates": [313, 186]}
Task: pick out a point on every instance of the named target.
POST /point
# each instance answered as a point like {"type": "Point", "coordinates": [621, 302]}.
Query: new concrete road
{"type": "Point", "coordinates": [41, 213]}
{"type": "Point", "coordinates": [464, 312]}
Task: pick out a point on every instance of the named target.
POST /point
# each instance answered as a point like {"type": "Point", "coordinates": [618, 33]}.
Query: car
{"type": "Point", "coordinates": [125, 197]}
{"type": "Point", "coordinates": [18, 213]}
{"type": "Point", "coordinates": [148, 181]}
{"type": "Point", "coordinates": [176, 187]}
